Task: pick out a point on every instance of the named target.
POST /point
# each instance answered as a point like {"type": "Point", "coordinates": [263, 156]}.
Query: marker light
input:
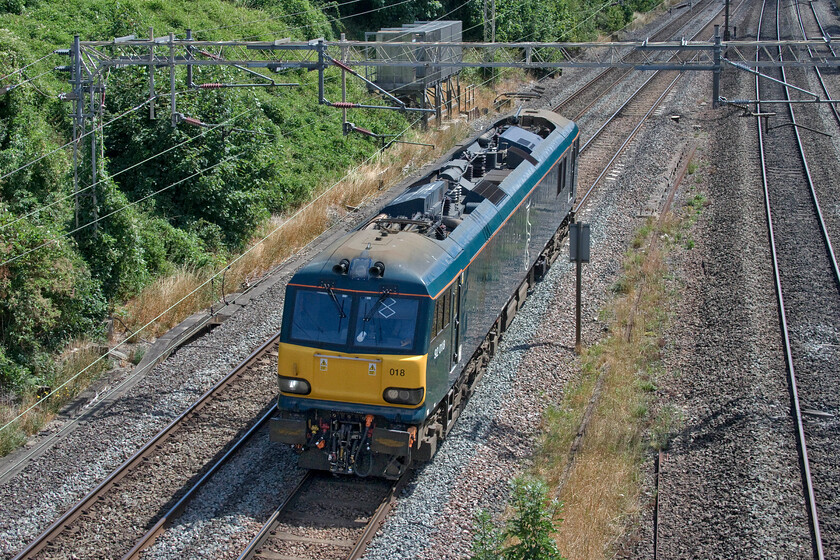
{"type": "Point", "coordinates": [294, 385]}
{"type": "Point", "coordinates": [398, 395]}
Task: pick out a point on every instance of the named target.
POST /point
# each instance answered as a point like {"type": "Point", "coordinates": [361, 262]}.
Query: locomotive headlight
{"type": "Point", "coordinates": [294, 385]}
{"type": "Point", "coordinates": [398, 395]}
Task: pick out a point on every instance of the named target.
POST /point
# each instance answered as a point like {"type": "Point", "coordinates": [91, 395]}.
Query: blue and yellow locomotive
{"type": "Point", "coordinates": [384, 332]}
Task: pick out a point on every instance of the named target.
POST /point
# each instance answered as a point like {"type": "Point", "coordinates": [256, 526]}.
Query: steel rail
{"type": "Point", "coordinates": [149, 538]}
{"type": "Point", "coordinates": [59, 525]}
{"type": "Point", "coordinates": [814, 198]}
{"type": "Point", "coordinates": [800, 430]}
{"type": "Point", "coordinates": [264, 533]}
{"type": "Point", "coordinates": [666, 30]}
{"type": "Point", "coordinates": [618, 152]}
{"type": "Point", "coordinates": [834, 110]}
{"type": "Point", "coordinates": [374, 521]}
{"type": "Point", "coordinates": [378, 518]}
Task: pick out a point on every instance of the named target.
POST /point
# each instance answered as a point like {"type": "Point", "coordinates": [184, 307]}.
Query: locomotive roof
{"type": "Point", "coordinates": [422, 264]}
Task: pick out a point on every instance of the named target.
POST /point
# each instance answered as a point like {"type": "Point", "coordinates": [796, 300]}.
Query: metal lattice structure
{"type": "Point", "coordinates": [91, 61]}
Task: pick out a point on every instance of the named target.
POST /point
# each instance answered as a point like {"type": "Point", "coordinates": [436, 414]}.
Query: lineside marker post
{"type": "Point", "coordinates": [578, 254]}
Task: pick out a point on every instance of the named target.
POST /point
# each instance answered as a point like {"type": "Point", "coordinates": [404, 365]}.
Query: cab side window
{"type": "Point", "coordinates": [442, 313]}
{"type": "Point", "coordinates": [561, 176]}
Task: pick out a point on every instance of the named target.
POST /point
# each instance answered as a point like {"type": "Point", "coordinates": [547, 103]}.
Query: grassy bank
{"type": "Point", "coordinates": [595, 441]}
{"type": "Point", "coordinates": [170, 298]}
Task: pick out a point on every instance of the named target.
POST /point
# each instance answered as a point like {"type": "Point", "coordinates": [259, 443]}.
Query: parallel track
{"type": "Point", "coordinates": [97, 516]}
{"type": "Point", "coordinates": [607, 144]}
{"type": "Point", "coordinates": [576, 105]}
{"type": "Point", "coordinates": [808, 291]}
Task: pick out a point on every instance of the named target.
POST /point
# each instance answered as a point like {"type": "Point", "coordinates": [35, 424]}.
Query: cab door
{"type": "Point", "coordinates": [455, 355]}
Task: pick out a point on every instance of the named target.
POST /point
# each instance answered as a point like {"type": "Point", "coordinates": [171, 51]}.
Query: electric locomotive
{"type": "Point", "coordinates": [378, 330]}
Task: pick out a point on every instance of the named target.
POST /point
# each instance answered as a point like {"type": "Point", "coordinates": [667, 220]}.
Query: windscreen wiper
{"type": "Point", "coordinates": [338, 306]}
{"type": "Point", "coordinates": [385, 293]}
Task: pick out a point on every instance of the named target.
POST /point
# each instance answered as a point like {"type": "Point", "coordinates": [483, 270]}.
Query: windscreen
{"type": "Point", "coordinates": [385, 322]}
{"type": "Point", "coordinates": [321, 317]}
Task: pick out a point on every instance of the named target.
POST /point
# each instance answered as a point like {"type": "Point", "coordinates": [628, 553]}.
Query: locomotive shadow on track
{"type": "Point", "coordinates": [528, 346]}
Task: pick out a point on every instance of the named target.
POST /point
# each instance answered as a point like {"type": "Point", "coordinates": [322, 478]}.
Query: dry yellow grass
{"type": "Point", "coordinates": [599, 483]}
{"type": "Point", "coordinates": [79, 355]}
{"type": "Point", "coordinates": [298, 229]}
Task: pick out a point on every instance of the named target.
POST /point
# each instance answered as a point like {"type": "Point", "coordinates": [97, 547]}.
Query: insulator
{"type": "Point", "coordinates": [192, 121]}
{"type": "Point", "coordinates": [479, 165]}
{"type": "Point", "coordinates": [210, 55]}
{"type": "Point", "coordinates": [344, 105]}
{"type": "Point", "coordinates": [342, 65]}
{"type": "Point", "coordinates": [212, 85]}
{"type": "Point", "coordinates": [63, 52]}
{"type": "Point", "coordinates": [364, 131]}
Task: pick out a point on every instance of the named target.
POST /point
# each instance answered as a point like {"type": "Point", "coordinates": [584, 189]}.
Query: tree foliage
{"type": "Point", "coordinates": [156, 204]}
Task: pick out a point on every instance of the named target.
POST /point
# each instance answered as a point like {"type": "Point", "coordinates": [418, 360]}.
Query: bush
{"type": "Point", "coordinates": [529, 530]}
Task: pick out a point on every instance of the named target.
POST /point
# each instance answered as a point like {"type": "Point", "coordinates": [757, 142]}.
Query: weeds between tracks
{"type": "Point", "coordinates": [597, 475]}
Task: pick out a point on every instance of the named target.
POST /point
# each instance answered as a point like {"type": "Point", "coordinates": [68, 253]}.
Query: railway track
{"type": "Point", "coordinates": [607, 144]}
{"type": "Point", "coordinates": [808, 292]}
{"type": "Point", "coordinates": [828, 50]}
{"type": "Point", "coordinates": [108, 521]}
{"type": "Point", "coordinates": [325, 518]}
{"type": "Point", "coordinates": [576, 105]}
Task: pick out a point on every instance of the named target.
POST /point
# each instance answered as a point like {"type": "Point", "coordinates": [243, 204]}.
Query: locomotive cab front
{"type": "Point", "coordinates": [352, 362]}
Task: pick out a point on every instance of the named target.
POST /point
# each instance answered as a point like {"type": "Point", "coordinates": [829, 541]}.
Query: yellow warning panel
{"type": "Point", "coordinates": [357, 378]}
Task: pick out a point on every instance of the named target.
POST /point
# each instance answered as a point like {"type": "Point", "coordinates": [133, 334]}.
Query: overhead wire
{"type": "Point", "coordinates": [100, 218]}
{"type": "Point", "coordinates": [27, 66]}
{"type": "Point", "coordinates": [203, 284]}
{"type": "Point", "coordinates": [118, 210]}
{"type": "Point", "coordinates": [36, 160]}
{"type": "Point", "coordinates": [15, 86]}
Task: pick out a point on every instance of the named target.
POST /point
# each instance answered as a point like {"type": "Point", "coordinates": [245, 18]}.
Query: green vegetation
{"type": "Point", "coordinates": [614, 403]}
{"type": "Point", "coordinates": [535, 20]}
{"type": "Point", "coordinates": [276, 145]}
{"type": "Point", "coordinates": [528, 533]}
{"type": "Point", "coordinates": [204, 192]}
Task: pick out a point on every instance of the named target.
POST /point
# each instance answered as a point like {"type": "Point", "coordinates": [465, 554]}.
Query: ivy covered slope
{"type": "Point", "coordinates": [516, 20]}
{"type": "Point", "coordinates": [192, 205]}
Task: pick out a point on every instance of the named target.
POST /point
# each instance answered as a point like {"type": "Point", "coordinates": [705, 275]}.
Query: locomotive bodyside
{"type": "Point", "coordinates": [378, 328]}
